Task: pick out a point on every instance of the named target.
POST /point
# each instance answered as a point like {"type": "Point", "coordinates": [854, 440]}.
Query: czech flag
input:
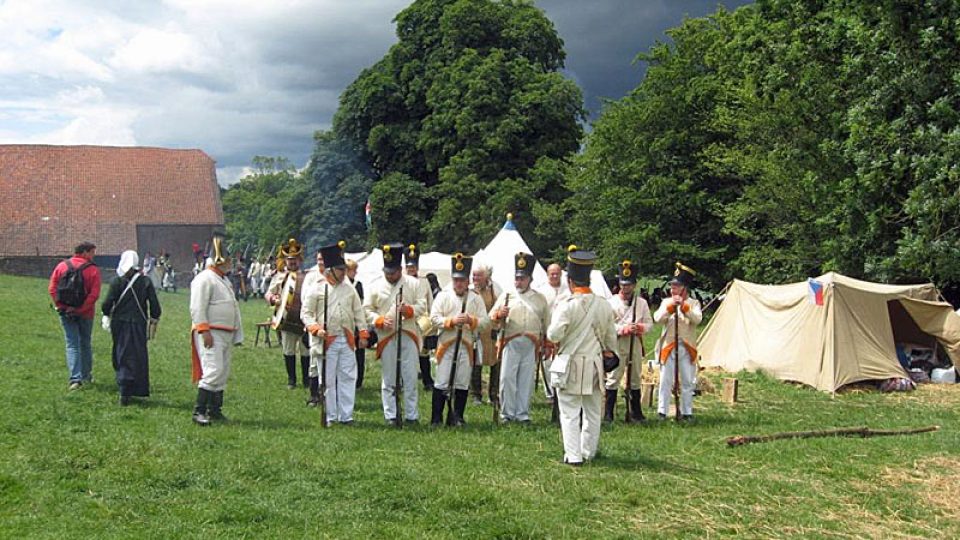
{"type": "Point", "coordinates": [815, 292]}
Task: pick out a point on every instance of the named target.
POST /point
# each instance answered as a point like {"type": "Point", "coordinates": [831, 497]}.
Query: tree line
{"type": "Point", "coordinates": [770, 143]}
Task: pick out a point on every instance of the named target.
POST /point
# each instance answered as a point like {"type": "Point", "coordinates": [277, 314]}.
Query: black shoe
{"type": "Point", "coordinates": [636, 413]}
{"type": "Point", "coordinates": [573, 463]}
{"type": "Point", "coordinates": [686, 418]}
{"type": "Point", "coordinates": [291, 386]}
{"type": "Point", "coordinates": [661, 416]}
{"type": "Point", "coordinates": [216, 404]}
{"type": "Point", "coordinates": [201, 418]}
{"type": "Point", "coordinates": [124, 401]}
{"type": "Point", "coordinates": [314, 401]}
{"type": "Point", "coordinates": [438, 402]}
{"type": "Point", "coordinates": [609, 405]}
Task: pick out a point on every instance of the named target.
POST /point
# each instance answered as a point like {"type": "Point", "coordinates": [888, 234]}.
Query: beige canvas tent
{"type": "Point", "coordinates": [826, 332]}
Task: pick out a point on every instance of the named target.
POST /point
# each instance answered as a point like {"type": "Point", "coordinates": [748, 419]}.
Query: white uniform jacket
{"type": "Point", "coordinates": [446, 306]}
{"type": "Point", "coordinates": [381, 302]}
{"type": "Point", "coordinates": [583, 326]}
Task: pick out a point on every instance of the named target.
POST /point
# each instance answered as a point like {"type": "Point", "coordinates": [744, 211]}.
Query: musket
{"type": "Point", "coordinates": [398, 324]}
{"type": "Point", "coordinates": [451, 411]}
{"type": "Point", "coordinates": [500, 346]}
{"type": "Point", "coordinates": [676, 364]}
{"type": "Point", "coordinates": [626, 394]}
{"type": "Point", "coordinates": [323, 359]}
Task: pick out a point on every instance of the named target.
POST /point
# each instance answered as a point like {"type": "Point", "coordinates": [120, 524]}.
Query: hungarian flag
{"type": "Point", "coordinates": [815, 292]}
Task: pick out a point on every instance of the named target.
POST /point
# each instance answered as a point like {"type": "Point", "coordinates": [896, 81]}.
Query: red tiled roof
{"type": "Point", "coordinates": [54, 197]}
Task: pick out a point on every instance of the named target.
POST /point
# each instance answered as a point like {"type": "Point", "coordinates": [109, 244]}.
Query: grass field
{"type": "Point", "coordinates": [75, 464]}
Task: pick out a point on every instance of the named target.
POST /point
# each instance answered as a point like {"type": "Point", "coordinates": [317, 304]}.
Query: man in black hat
{"type": "Point", "coordinates": [583, 328]}
{"type": "Point", "coordinates": [690, 315]}
{"type": "Point", "coordinates": [285, 294]}
{"type": "Point", "coordinates": [344, 313]}
{"type": "Point", "coordinates": [456, 310]}
{"type": "Point", "coordinates": [217, 327]}
{"type": "Point", "coordinates": [396, 294]}
{"type": "Point", "coordinates": [411, 259]}
{"type": "Point", "coordinates": [523, 316]}
{"type": "Point", "coordinates": [632, 321]}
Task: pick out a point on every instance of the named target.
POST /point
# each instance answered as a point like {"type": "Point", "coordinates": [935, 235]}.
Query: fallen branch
{"type": "Point", "coordinates": [860, 431]}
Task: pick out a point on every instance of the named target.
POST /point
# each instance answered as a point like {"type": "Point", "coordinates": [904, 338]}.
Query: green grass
{"type": "Point", "coordinates": [76, 465]}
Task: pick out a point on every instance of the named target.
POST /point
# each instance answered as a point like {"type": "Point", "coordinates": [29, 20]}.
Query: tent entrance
{"type": "Point", "coordinates": [915, 348]}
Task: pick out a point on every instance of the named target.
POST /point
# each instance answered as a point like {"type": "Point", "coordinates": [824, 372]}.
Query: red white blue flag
{"type": "Point", "coordinates": [815, 292]}
{"type": "Point", "coordinates": [366, 212]}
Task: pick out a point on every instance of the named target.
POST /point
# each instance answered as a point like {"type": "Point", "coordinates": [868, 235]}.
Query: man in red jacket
{"type": "Point", "coordinates": [77, 321]}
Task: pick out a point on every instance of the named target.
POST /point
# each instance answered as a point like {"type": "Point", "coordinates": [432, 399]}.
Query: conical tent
{"type": "Point", "coordinates": [825, 332]}
{"type": "Point", "coordinates": [498, 254]}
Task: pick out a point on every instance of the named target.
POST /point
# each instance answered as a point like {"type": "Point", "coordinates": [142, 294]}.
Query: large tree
{"type": "Point", "coordinates": [261, 209]}
{"type": "Point", "coordinates": [465, 104]}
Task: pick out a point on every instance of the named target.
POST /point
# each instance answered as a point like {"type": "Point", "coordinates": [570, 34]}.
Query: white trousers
{"type": "Point", "coordinates": [516, 378]}
{"type": "Point", "coordinates": [688, 373]}
{"type": "Point", "coordinates": [340, 377]}
{"type": "Point", "coordinates": [215, 361]}
{"type": "Point", "coordinates": [409, 367]}
{"type": "Point", "coordinates": [292, 344]}
{"type": "Point", "coordinates": [580, 425]}
{"type": "Point", "coordinates": [444, 365]}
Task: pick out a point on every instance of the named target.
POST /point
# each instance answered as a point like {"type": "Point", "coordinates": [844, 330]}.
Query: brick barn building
{"type": "Point", "coordinates": [119, 198]}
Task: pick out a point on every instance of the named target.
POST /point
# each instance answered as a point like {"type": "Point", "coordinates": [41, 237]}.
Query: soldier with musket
{"type": "Point", "coordinates": [344, 313]}
{"type": "Point", "coordinates": [217, 327]}
{"type": "Point", "coordinates": [285, 295]}
{"type": "Point", "coordinates": [461, 314]}
{"type": "Point", "coordinates": [680, 314]}
{"type": "Point", "coordinates": [582, 326]}
{"type": "Point", "coordinates": [398, 295]}
{"type": "Point", "coordinates": [523, 316]}
{"type": "Point", "coordinates": [411, 260]}
{"type": "Point", "coordinates": [632, 317]}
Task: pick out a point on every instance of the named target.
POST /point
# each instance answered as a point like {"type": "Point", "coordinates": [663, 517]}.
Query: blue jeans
{"type": "Point", "coordinates": [77, 332]}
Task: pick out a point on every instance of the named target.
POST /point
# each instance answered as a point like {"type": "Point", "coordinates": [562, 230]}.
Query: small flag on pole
{"type": "Point", "coordinates": [367, 213]}
{"type": "Point", "coordinates": [815, 292]}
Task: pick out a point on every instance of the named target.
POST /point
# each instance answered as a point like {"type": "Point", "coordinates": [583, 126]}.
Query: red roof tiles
{"type": "Point", "coordinates": [54, 197]}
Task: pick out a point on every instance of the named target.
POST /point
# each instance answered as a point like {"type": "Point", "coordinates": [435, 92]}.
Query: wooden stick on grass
{"type": "Point", "coordinates": [864, 431]}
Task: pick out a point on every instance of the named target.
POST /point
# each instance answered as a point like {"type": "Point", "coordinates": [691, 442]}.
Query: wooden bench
{"type": "Point", "coordinates": [266, 327]}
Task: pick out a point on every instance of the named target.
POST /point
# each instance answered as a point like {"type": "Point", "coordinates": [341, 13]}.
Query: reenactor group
{"type": "Point", "coordinates": [584, 348]}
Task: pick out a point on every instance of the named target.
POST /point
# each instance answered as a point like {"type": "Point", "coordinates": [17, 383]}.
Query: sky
{"type": "Point", "coordinates": [241, 78]}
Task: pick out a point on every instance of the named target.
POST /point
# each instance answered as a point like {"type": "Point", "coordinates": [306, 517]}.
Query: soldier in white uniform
{"type": "Point", "coordinates": [554, 291]}
{"type": "Point", "coordinates": [456, 308]}
{"type": "Point", "coordinates": [632, 319]}
{"type": "Point", "coordinates": [217, 327]}
{"type": "Point", "coordinates": [314, 277]}
{"type": "Point", "coordinates": [344, 313]}
{"type": "Point", "coordinates": [523, 317]}
{"type": "Point", "coordinates": [582, 326]}
{"type": "Point", "coordinates": [690, 316]}
{"type": "Point", "coordinates": [285, 294]}
{"type": "Point", "coordinates": [411, 259]}
{"type": "Point", "coordinates": [396, 294]}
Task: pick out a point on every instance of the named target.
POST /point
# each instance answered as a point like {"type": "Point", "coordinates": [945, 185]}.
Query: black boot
{"type": "Point", "coordinates": [304, 371]}
{"type": "Point", "coordinates": [216, 404]}
{"type": "Point", "coordinates": [200, 410]}
{"type": "Point", "coordinates": [425, 373]}
{"type": "Point", "coordinates": [361, 366]}
{"type": "Point", "coordinates": [635, 413]}
{"type": "Point", "coordinates": [609, 406]}
{"type": "Point", "coordinates": [290, 361]}
{"type": "Point", "coordinates": [459, 406]}
{"type": "Point", "coordinates": [314, 392]}
{"type": "Point", "coordinates": [439, 400]}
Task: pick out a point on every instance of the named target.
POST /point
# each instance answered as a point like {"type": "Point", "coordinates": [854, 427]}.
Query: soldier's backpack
{"type": "Point", "coordinates": [70, 289]}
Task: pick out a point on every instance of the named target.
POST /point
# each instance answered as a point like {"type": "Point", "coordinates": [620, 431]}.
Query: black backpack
{"type": "Point", "coordinates": [70, 289]}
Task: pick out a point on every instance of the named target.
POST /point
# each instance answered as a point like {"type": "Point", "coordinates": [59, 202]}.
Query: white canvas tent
{"type": "Point", "coordinates": [370, 266]}
{"type": "Point", "coordinates": [498, 254]}
{"type": "Point", "coordinates": [848, 335]}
